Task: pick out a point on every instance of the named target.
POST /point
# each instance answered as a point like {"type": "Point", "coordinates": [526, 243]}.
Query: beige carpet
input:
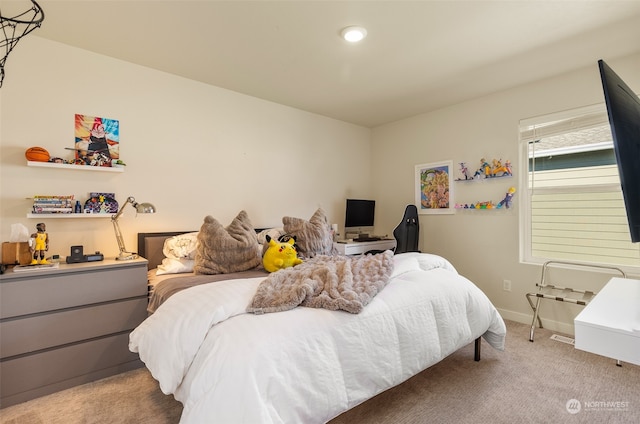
{"type": "Point", "coordinates": [528, 383]}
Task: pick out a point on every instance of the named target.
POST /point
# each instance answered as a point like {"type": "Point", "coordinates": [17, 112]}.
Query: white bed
{"type": "Point", "coordinates": [308, 365]}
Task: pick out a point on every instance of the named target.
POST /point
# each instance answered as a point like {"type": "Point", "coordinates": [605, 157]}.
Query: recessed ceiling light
{"type": "Point", "coordinates": [353, 34]}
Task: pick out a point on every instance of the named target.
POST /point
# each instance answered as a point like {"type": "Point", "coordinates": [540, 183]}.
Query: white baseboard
{"type": "Point", "coordinates": [560, 327]}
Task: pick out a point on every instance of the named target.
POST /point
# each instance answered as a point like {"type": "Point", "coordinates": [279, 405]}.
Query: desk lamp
{"type": "Point", "coordinates": [140, 208]}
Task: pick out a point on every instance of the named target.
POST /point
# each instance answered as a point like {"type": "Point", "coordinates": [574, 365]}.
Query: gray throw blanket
{"type": "Point", "coordinates": [347, 283]}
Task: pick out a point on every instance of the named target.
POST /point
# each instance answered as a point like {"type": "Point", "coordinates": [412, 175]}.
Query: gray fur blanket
{"type": "Point", "coordinates": [347, 283]}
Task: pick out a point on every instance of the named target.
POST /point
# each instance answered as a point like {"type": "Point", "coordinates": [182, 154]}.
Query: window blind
{"type": "Point", "coordinates": [573, 206]}
{"type": "Point", "coordinates": [555, 124]}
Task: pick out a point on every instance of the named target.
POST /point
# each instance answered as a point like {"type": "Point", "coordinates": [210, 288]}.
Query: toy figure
{"type": "Point", "coordinates": [39, 244]}
{"type": "Point", "coordinates": [485, 169]}
{"type": "Point", "coordinates": [484, 205]}
{"type": "Point", "coordinates": [465, 171]}
{"type": "Point", "coordinates": [499, 168]}
{"type": "Point", "coordinates": [506, 202]}
{"type": "Point", "coordinates": [507, 166]}
{"type": "Point", "coordinates": [280, 255]}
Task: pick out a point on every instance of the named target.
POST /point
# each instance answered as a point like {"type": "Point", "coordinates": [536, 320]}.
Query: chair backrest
{"type": "Point", "coordinates": [408, 231]}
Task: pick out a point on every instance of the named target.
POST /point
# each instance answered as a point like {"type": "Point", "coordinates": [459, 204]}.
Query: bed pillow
{"type": "Point", "coordinates": [223, 250]}
{"type": "Point", "coordinates": [175, 266]}
{"type": "Point", "coordinates": [181, 246]}
{"type": "Point", "coordinates": [313, 237]}
{"type": "Point", "coordinates": [274, 233]}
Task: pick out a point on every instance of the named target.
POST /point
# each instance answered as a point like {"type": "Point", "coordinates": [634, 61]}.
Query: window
{"type": "Point", "coordinates": [572, 205]}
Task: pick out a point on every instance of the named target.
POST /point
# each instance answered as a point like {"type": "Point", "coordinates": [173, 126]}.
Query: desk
{"type": "Point", "coordinates": [358, 248]}
{"type": "Point", "coordinates": [610, 324]}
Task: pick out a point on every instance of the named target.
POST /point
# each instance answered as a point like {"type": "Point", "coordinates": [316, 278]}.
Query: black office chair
{"type": "Point", "coordinates": [408, 231]}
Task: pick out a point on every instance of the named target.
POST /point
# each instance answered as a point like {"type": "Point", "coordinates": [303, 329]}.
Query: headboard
{"type": "Point", "coordinates": [150, 246]}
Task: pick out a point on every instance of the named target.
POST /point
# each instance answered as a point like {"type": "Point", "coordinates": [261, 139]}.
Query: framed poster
{"type": "Point", "coordinates": [434, 188]}
{"type": "Point", "coordinates": [97, 140]}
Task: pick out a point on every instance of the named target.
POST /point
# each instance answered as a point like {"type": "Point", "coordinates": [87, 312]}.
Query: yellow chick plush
{"type": "Point", "coordinates": [280, 255]}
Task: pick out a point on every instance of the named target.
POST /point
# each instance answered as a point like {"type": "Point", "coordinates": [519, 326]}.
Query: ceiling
{"type": "Point", "coordinates": [418, 56]}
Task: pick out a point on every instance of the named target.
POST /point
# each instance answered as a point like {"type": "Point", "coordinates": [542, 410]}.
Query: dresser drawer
{"type": "Point", "coordinates": [68, 326]}
{"type": "Point", "coordinates": [42, 369]}
{"type": "Point", "coordinates": [69, 289]}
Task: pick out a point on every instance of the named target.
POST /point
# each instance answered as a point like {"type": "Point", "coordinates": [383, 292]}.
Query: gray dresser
{"type": "Point", "coordinates": [68, 326]}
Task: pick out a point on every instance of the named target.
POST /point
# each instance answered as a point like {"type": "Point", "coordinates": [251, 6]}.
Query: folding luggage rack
{"type": "Point", "coordinates": [561, 294]}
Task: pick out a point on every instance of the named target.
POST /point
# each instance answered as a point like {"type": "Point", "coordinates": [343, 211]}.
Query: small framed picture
{"type": "Point", "coordinates": [434, 188]}
{"type": "Point", "coordinates": [101, 203]}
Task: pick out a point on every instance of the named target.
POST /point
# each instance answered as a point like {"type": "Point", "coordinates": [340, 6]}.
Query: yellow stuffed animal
{"type": "Point", "coordinates": [280, 255]}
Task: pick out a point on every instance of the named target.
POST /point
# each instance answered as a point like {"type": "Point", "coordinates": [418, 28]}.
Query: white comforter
{"type": "Point", "coordinates": [308, 365]}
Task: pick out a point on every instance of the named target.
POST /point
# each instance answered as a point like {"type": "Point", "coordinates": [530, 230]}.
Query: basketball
{"type": "Point", "coordinates": [37, 154]}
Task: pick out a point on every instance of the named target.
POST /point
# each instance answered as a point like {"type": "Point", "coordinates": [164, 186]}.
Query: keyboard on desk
{"type": "Point", "coordinates": [367, 239]}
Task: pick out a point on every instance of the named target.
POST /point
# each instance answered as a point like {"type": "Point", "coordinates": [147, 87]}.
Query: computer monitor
{"type": "Point", "coordinates": [359, 216]}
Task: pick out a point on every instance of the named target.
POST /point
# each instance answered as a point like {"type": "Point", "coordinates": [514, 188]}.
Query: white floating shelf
{"type": "Point", "coordinates": [68, 215]}
{"type": "Point", "coordinates": [76, 167]}
{"type": "Point", "coordinates": [483, 179]}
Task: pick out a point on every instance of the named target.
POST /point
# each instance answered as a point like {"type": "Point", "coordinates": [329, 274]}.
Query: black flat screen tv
{"type": "Point", "coordinates": [623, 108]}
{"type": "Point", "coordinates": [360, 215]}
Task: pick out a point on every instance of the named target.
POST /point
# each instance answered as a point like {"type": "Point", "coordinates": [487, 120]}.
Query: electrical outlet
{"type": "Point", "coordinates": [506, 285]}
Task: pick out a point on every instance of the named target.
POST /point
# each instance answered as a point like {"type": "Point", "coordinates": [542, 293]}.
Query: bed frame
{"type": "Point", "coordinates": [150, 247]}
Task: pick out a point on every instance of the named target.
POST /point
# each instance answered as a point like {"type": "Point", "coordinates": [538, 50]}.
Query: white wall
{"type": "Point", "coordinates": [194, 150]}
{"type": "Point", "coordinates": [191, 149]}
{"type": "Point", "coordinates": [483, 245]}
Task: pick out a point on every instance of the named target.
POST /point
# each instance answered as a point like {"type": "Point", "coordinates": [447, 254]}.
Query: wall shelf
{"type": "Point", "coordinates": [68, 215]}
{"type": "Point", "coordinates": [75, 167]}
{"type": "Point", "coordinates": [479, 180]}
